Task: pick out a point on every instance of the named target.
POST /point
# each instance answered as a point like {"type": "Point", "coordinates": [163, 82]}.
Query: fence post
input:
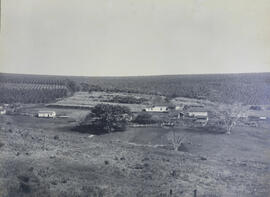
{"type": "Point", "coordinates": [195, 193]}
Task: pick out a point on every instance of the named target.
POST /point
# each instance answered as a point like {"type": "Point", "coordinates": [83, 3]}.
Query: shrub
{"type": "Point", "coordinates": [144, 118]}
{"type": "Point", "coordinates": [254, 107]}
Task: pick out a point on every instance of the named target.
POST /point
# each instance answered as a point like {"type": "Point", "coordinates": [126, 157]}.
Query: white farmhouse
{"type": "Point", "coordinates": [46, 114]}
{"type": "Point", "coordinates": [156, 109]}
{"type": "Point", "coordinates": [3, 111]}
{"type": "Point", "coordinates": [198, 114]}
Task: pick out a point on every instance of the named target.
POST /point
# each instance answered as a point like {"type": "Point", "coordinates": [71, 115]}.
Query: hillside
{"type": "Point", "coordinates": [228, 88]}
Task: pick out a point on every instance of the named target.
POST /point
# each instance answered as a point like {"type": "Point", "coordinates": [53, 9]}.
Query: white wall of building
{"type": "Point", "coordinates": [157, 109]}
{"type": "Point", "coordinates": [47, 114]}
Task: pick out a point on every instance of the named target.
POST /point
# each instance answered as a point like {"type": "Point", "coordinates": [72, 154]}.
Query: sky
{"type": "Point", "coordinates": [134, 37]}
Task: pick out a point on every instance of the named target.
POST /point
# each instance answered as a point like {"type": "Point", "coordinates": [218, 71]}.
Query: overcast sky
{"type": "Point", "coordinates": [133, 37]}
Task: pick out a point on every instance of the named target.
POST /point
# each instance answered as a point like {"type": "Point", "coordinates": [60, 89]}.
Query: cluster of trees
{"type": "Point", "coordinates": [72, 86]}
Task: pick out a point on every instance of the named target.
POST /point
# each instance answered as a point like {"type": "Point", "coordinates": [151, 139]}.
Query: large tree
{"type": "Point", "coordinates": [108, 118]}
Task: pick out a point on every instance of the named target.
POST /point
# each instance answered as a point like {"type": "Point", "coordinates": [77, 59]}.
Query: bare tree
{"type": "Point", "coordinates": [230, 115]}
{"type": "Point", "coordinates": [176, 139]}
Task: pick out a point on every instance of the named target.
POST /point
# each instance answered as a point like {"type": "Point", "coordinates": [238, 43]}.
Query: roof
{"type": "Point", "coordinates": [196, 109]}
{"type": "Point", "coordinates": [156, 107]}
{"type": "Point", "coordinates": [46, 112]}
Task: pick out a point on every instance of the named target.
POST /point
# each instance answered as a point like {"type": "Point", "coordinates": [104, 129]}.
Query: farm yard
{"type": "Point", "coordinates": [49, 157]}
{"type": "Point", "coordinates": [134, 98]}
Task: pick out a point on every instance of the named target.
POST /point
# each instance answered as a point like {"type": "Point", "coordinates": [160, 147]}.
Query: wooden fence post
{"type": "Point", "coordinates": [195, 193]}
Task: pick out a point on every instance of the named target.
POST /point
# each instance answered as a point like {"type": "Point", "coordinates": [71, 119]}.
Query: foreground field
{"type": "Point", "coordinates": [43, 157]}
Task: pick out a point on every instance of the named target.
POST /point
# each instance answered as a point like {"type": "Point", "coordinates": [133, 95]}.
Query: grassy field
{"type": "Point", "coordinates": [44, 157]}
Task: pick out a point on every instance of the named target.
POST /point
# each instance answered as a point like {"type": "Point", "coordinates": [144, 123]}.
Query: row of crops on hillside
{"type": "Point", "coordinates": [31, 93]}
{"type": "Point", "coordinates": [30, 86]}
{"type": "Point", "coordinates": [33, 89]}
{"type": "Point", "coordinates": [32, 79]}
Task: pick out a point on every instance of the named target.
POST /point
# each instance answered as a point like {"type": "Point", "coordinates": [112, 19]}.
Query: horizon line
{"type": "Point", "coordinates": [143, 75]}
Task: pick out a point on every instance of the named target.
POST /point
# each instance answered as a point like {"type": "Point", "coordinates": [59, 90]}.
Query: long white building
{"type": "Point", "coordinates": [157, 109]}
{"type": "Point", "coordinates": [46, 114]}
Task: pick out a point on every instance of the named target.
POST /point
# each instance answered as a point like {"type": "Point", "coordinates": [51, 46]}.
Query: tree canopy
{"type": "Point", "coordinates": [107, 118]}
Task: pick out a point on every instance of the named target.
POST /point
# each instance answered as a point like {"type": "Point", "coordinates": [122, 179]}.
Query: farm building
{"type": "Point", "coordinates": [3, 111]}
{"type": "Point", "coordinates": [156, 109]}
{"type": "Point", "coordinates": [198, 115]}
{"type": "Point", "coordinates": [179, 108]}
{"type": "Point", "coordinates": [256, 118]}
{"type": "Point", "coordinates": [197, 112]}
{"type": "Point", "coordinates": [46, 114]}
